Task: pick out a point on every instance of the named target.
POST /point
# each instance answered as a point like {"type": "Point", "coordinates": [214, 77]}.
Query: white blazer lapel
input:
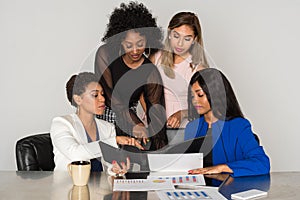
{"type": "Point", "coordinates": [107, 132]}
{"type": "Point", "coordinates": [80, 133]}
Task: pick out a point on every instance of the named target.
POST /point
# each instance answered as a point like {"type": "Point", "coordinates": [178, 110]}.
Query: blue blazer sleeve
{"type": "Point", "coordinates": [250, 158]}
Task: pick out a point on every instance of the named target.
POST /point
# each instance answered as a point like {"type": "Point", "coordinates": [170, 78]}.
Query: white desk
{"type": "Point", "coordinates": [43, 185]}
{"type": "Point", "coordinates": [280, 185]}
{"type": "Point", "coordinates": [58, 186]}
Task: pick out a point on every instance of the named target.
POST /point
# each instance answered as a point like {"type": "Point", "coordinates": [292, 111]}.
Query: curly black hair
{"type": "Point", "coordinates": [133, 16]}
{"type": "Point", "coordinates": [77, 84]}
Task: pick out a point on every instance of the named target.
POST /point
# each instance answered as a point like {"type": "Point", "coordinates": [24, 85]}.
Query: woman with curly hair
{"type": "Point", "coordinates": [183, 55]}
{"type": "Point", "coordinates": [126, 74]}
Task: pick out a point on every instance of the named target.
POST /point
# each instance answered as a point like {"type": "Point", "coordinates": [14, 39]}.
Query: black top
{"type": "Point", "coordinates": [123, 87]}
{"type": "Point", "coordinates": [207, 149]}
{"type": "Point", "coordinates": [128, 82]}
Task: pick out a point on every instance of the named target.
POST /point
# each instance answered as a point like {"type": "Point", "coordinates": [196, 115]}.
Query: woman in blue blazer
{"type": "Point", "coordinates": [214, 111]}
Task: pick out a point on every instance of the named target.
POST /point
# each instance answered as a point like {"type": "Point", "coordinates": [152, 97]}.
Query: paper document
{"type": "Point", "coordinates": [175, 167]}
{"type": "Point", "coordinates": [205, 193]}
{"type": "Point", "coordinates": [142, 184]}
{"type": "Point", "coordinates": [175, 162]}
{"type": "Point", "coordinates": [182, 179]}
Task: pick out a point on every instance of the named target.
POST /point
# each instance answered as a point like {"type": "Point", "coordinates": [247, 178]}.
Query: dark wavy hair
{"type": "Point", "coordinates": [219, 93]}
{"type": "Point", "coordinates": [77, 84]}
{"type": "Point", "coordinates": [133, 16]}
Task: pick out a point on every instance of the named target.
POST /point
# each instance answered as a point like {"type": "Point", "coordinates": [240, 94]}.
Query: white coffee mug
{"type": "Point", "coordinates": [80, 172]}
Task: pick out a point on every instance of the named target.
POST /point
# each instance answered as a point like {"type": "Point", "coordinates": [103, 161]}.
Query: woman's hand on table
{"type": "Point", "coordinates": [211, 170]}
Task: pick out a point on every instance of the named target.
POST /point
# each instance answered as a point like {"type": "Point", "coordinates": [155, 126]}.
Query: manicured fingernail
{"type": "Point", "coordinates": [114, 162]}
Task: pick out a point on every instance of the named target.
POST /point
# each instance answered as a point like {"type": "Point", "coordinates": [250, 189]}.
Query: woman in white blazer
{"type": "Point", "coordinates": [76, 136]}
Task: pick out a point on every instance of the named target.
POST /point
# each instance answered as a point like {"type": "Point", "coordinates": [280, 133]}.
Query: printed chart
{"type": "Point", "coordinates": [183, 179]}
{"type": "Point", "coordinates": [190, 194]}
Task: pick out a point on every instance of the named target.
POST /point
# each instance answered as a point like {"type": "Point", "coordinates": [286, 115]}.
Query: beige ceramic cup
{"type": "Point", "coordinates": [80, 172]}
{"type": "Point", "coordinates": [79, 193]}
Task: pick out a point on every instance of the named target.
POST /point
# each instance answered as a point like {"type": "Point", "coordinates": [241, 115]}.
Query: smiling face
{"type": "Point", "coordinates": [181, 40]}
{"type": "Point", "coordinates": [134, 46]}
{"type": "Point", "coordinates": [199, 100]}
{"type": "Point", "coordinates": [92, 100]}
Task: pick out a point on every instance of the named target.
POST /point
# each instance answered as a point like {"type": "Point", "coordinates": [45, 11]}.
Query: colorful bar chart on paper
{"type": "Point", "coordinates": [190, 194]}
{"type": "Point", "coordinates": [174, 195]}
{"type": "Point", "coordinates": [184, 179]}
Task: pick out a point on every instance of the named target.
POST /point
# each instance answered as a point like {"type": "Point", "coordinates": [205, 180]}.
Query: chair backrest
{"type": "Point", "coordinates": [35, 153]}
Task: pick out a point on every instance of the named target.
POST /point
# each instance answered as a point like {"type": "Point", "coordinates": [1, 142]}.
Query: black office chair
{"type": "Point", "coordinates": [35, 153]}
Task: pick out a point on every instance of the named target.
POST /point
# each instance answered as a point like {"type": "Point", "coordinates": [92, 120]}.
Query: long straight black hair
{"type": "Point", "coordinates": [219, 92]}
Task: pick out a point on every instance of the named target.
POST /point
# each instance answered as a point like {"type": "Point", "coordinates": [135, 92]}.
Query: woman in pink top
{"type": "Point", "coordinates": [182, 56]}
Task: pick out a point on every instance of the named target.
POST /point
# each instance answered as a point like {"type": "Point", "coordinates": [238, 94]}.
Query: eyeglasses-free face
{"type": "Point", "coordinates": [181, 40]}
{"type": "Point", "coordinates": [199, 100]}
{"type": "Point", "coordinates": [92, 101]}
{"type": "Point", "coordinates": [134, 46]}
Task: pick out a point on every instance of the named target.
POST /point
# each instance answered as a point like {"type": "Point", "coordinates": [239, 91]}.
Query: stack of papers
{"type": "Point", "coordinates": [163, 181]}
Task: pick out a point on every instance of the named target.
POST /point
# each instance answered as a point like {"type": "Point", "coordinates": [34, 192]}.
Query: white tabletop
{"type": "Point", "coordinates": [58, 186]}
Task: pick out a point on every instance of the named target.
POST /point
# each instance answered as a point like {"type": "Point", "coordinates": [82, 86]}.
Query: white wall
{"type": "Point", "coordinates": [255, 43]}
